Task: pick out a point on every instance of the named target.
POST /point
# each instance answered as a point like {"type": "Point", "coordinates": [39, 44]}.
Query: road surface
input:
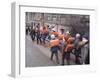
{"type": "Point", "coordinates": [38, 55]}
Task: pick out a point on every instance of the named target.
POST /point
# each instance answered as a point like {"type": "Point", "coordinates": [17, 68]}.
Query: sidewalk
{"type": "Point", "coordinates": [45, 52]}
{"type": "Point", "coordinates": [34, 56]}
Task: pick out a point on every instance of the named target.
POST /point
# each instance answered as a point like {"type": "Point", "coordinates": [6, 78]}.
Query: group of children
{"type": "Point", "coordinates": [61, 41]}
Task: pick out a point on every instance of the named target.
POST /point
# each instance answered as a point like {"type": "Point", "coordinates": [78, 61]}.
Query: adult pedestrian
{"type": "Point", "coordinates": [54, 43]}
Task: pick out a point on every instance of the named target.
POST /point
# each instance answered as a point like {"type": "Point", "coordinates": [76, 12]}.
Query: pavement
{"type": "Point", "coordinates": [38, 55]}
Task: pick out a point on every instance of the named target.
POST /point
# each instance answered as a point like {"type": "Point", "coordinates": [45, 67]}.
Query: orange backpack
{"type": "Point", "coordinates": [70, 40]}
{"type": "Point", "coordinates": [69, 48]}
{"type": "Point", "coordinates": [55, 33]}
{"type": "Point", "coordinates": [61, 36]}
{"type": "Point", "coordinates": [54, 42]}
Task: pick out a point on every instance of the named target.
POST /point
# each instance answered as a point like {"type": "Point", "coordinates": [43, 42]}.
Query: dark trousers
{"type": "Point", "coordinates": [54, 51]}
{"type": "Point", "coordinates": [87, 61]}
{"type": "Point", "coordinates": [26, 31]}
{"type": "Point", "coordinates": [33, 37]}
{"type": "Point", "coordinates": [44, 38]}
{"type": "Point", "coordinates": [77, 56]}
{"type": "Point", "coordinates": [66, 55]}
{"type": "Point", "coordinates": [77, 61]}
{"type": "Point", "coordinates": [39, 40]}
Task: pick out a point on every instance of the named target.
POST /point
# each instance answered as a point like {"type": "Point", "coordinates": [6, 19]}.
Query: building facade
{"type": "Point", "coordinates": [72, 22]}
